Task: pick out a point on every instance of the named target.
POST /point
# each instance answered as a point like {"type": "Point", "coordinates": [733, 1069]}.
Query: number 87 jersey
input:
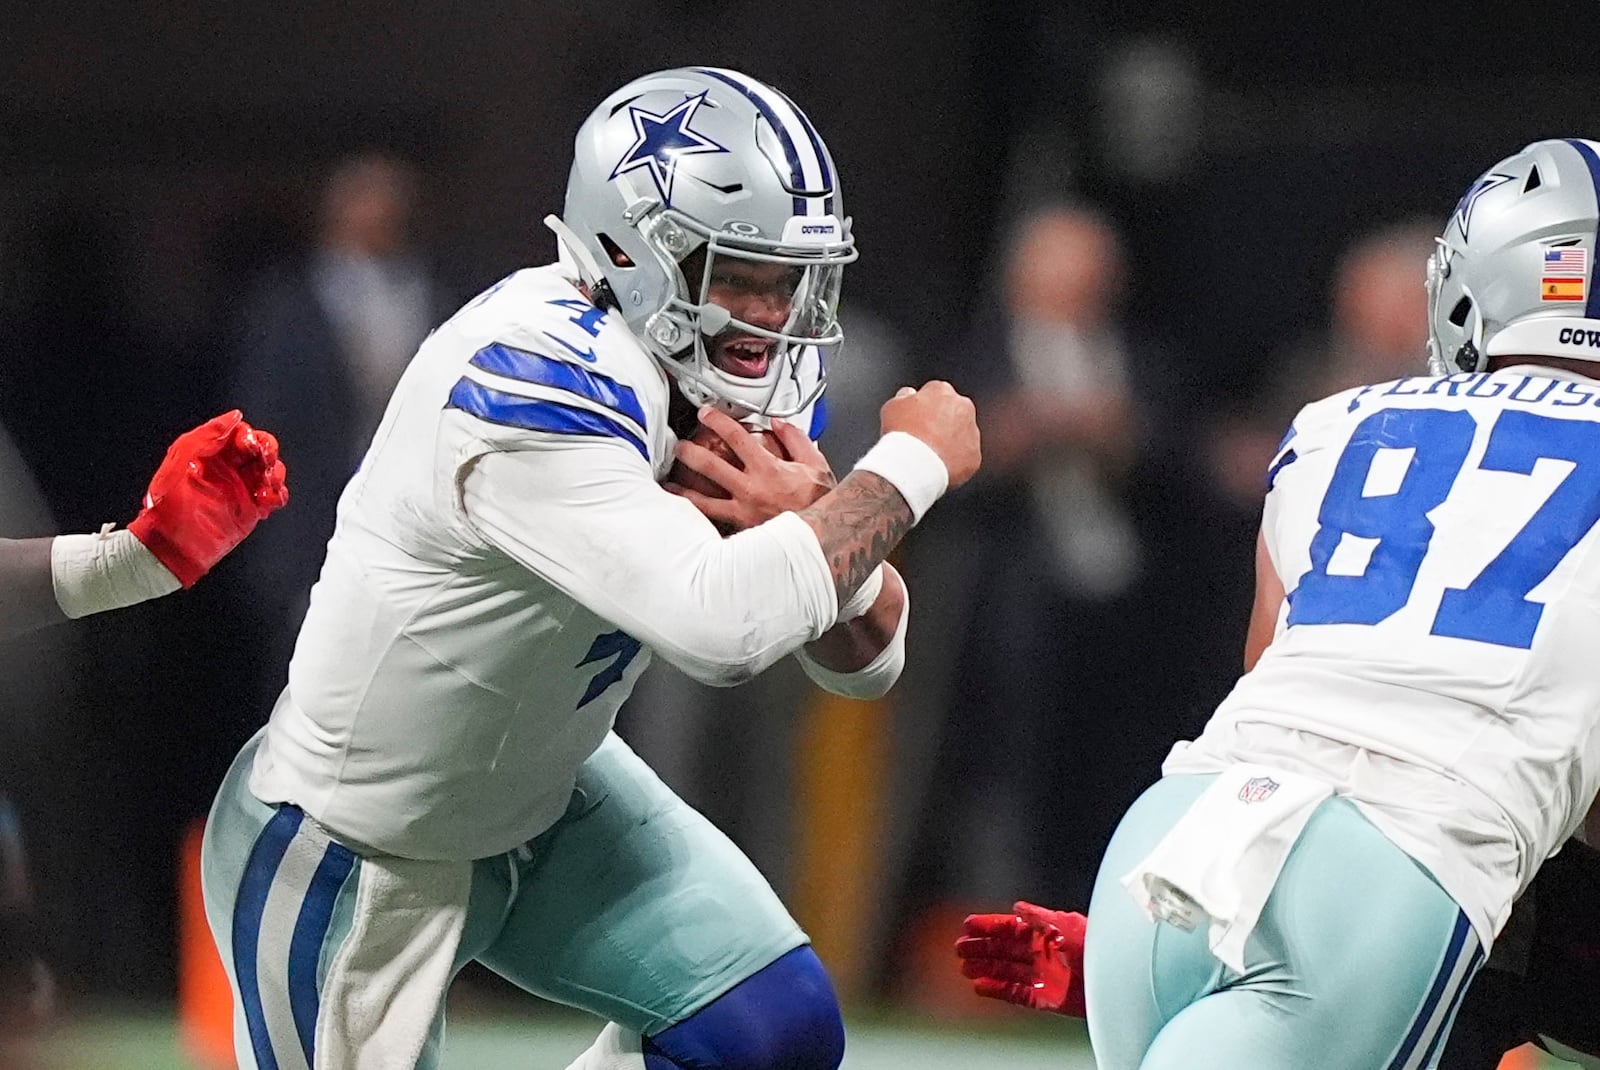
{"type": "Point", "coordinates": [1437, 540]}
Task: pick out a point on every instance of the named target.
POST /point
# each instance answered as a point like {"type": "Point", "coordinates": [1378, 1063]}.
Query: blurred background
{"type": "Point", "coordinates": [1140, 235]}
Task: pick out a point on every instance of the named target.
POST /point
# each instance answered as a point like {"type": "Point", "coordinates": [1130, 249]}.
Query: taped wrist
{"type": "Point", "coordinates": [909, 463]}
{"type": "Point", "coordinates": [109, 570]}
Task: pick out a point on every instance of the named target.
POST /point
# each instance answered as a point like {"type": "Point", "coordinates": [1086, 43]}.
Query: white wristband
{"type": "Point", "coordinates": [94, 573]}
{"type": "Point", "coordinates": [865, 595]}
{"type": "Point", "coordinates": [912, 466]}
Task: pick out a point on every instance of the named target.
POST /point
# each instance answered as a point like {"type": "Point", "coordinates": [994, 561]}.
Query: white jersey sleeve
{"type": "Point", "coordinates": [594, 524]}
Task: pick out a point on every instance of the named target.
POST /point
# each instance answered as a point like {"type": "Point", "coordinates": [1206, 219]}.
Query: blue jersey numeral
{"type": "Point", "coordinates": [618, 645]}
{"type": "Point", "coordinates": [1494, 608]}
{"type": "Point", "coordinates": [588, 316]}
{"type": "Point", "coordinates": [1399, 521]}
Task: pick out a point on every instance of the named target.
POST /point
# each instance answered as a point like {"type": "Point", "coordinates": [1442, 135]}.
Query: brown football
{"type": "Point", "coordinates": [689, 479]}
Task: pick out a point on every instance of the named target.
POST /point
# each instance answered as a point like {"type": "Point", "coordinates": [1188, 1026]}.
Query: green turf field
{"type": "Point", "coordinates": [149, 1041]}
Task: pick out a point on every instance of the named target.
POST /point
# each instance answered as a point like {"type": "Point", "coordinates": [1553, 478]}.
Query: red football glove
{"type": "Point", "coordinates": [215, 483]}
{"type": "Point", "coordinates": [1033, 957]}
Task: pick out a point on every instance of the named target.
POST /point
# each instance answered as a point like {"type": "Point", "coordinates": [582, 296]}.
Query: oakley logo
{"type": "Point", "coordinates": [1577, 336]}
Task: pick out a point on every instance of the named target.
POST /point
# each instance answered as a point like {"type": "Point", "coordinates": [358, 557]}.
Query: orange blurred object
{"type": "Point", "coordinates": [205, 1004]}
{"type": "Point", "coordinates": [1524, 1058]}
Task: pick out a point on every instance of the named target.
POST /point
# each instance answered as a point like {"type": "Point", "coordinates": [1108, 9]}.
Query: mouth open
{"type": "Point", "coordinates": [743, 356]}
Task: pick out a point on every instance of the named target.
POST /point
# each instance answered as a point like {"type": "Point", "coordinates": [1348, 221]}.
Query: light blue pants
{"type": "Point", "coordinates": [632, 906]}
{"type": "Point", "coordinates": [1358, 962]}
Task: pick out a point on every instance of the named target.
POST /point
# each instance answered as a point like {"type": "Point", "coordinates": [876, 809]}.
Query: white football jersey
{"type": "Point", "coordinates": [503, 562]}
{"type": "Point", "coordinates": [1437, 540]}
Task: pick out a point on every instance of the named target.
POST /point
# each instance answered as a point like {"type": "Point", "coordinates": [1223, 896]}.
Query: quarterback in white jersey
{"type": "Point", "coordinates": [497, 582]}
{"type": "Point", "coordinates": [439, 782]}
{"type": "Point", "coordinates": [1318, 876]}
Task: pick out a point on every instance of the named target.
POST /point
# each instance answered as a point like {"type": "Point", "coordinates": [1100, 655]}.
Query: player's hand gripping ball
{"type": "Point", "coordinates": [740, 476]}
{"type": "Point", "coordinates": [687, 478]}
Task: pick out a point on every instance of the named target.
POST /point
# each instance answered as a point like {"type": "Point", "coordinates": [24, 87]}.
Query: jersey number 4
{"type": "Point", "coordinates": [1494, 607]}
{"type": "Point", "coordinates": [617, 649]}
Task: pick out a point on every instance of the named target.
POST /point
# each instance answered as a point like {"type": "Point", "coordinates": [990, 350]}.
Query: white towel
{"type": "Point", "coordinates": [387, 982]}
{"type": "Point", "coordinates": [1222, 858]}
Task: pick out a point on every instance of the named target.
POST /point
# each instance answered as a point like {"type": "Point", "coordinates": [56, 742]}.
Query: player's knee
{"type": "Point", "coordinates": [784, 1017]}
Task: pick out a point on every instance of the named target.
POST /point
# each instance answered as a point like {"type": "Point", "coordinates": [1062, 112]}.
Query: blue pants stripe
{"type": "Point", "coordinates": [305, 946]}
{"type": "Point", "coordinates": [1455, 1005]}
{"type": "Point", "coordinates": [254, 887]}
{"type": "Point", "coordinates": [1458, 939]}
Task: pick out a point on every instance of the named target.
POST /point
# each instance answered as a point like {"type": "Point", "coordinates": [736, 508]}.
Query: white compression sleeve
{"type": "Point", "coordinates": [872, 680]}
{"type": "Point", "coordinates": [865, 595]}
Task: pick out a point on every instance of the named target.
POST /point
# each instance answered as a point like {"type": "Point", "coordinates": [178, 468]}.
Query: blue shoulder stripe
{"type": "Point", "coordinates": [537, 414]}
{"type": "Point", "coordinates": [1285, 459]}
{"type": "Point", "coordinates": [528, 367]}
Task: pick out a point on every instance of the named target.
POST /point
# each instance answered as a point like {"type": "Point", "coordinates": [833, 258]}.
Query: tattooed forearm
{"type": "Point", "coordinates": [858, 523]}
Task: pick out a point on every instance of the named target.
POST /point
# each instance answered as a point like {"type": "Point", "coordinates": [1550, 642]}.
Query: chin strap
{"type": "Point", "coordinates": [573, 252]}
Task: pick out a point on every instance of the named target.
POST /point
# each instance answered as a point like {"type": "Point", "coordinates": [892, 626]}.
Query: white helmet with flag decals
{"type": "Point", "coordinates": [1513, 273]}
{"type": "Point", "coordinates": [675, 175]}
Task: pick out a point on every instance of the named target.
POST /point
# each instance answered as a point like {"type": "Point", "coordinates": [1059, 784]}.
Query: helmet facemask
{"type": "Point", "coordinates": [795, 284]}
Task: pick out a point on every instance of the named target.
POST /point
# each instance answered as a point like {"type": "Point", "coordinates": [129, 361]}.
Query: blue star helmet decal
{"type": "Point", "coordinates": [661, 139]}
{"type": "Point", "coordinates": [1463, 213]}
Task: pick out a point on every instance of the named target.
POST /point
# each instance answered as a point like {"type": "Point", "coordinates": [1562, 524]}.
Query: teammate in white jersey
{"type": "Point", "coordinates": [439, 782]}
{"type": "Point", "coordinates": [1318, 876]}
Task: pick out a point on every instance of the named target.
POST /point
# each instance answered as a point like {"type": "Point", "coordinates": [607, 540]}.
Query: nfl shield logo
{"type": "Point", "coordinates": [1257, 788]}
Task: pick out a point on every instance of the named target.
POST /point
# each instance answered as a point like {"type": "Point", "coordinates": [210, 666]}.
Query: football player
{"type": "Point", "coordinates": [439, 782]}
{"type": "Point", "coordinates": [1343, 842]}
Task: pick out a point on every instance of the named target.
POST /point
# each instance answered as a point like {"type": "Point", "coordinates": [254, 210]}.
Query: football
{"type": "Point", "coordinates": [689, 479]}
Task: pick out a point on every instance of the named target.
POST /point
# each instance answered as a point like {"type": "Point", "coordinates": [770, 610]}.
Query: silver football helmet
{"type": "Point", "coordinates": [1514, 270]}
{"type": "Point", "coordinates": [702, 159]}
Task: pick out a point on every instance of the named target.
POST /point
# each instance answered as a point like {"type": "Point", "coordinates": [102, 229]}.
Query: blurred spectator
{"type": "Point", "coordinates": [324, 340]}
{"type": "Point", "coordinates": [1063, 421]}
{"type": "Point", "coordinates": [1378, 332]}
{"type": "Point", "coordinates": [1060, 663]}
{"type": "Point", "coordinates": [1150, 109]}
